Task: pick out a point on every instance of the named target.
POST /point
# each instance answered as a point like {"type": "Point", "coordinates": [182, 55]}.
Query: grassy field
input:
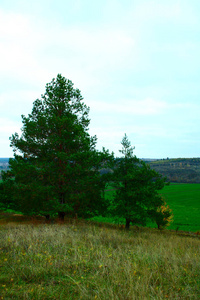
{"type": "Point", "coordinates": [183, 199]}
{"type": "Point", "coordinates": [81, 260]}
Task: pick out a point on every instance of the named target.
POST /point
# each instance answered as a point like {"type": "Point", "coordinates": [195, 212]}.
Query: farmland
{"type": "Point", "coordinates": [183, 199]}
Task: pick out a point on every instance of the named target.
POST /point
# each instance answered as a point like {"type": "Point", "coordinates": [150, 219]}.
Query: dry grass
{"type": "Point", "coordinates": [82, 261]}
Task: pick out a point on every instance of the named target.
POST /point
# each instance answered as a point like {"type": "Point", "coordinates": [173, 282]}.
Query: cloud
{"type": "Point", "coordinates": [14, 103]}
{"type": "Point", "coordinates": [7, 128]}
{"type": "Point", "coordinates": [86, 53]}
{"type": "Point", "coordinates": [136, 64]}
{"type": "Point", "coordinates": [174, 11]}
{"type": "Point", "coordinates": [132, 107]}
{"type": "Point", "coordinates": [109, 138]}
{"type": "Point", "coordinates": [19, 45]}
{"type": "Point", "coordinates": [34, 51]}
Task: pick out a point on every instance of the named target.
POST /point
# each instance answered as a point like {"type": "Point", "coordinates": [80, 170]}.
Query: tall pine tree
{"type": "Point", "coordinates": [56, 165]}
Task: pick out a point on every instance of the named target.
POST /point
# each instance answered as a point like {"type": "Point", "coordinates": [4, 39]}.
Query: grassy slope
{"type": "Point", "coordinates": [183, 199]}
{"type": "Point", "coordinates": [82, 261]}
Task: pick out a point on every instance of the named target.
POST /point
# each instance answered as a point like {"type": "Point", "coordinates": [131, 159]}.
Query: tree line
{"type": "Point", "coordinates": [179, 170]}
{"type": "Point", "coordinates": [56, 167]}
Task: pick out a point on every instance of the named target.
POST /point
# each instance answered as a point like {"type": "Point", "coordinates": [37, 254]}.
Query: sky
{"type": "Point", "coordinates": [136, 62]}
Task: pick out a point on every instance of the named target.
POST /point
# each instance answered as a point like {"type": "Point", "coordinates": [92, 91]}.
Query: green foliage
{"type": "Point", "coordinates": [162, 215]}
{"type": "Point", "coordinates": [58, 170]}
{"type": "Point", "coordinates": [7, 191]}
{"type": "Point", "coordinates": [137, 187]}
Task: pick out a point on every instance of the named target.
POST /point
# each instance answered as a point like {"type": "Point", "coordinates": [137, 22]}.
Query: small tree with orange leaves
{"type": "Point", "coordinates": [162, 215]}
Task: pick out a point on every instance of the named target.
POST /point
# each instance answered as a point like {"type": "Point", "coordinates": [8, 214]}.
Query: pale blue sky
{"type": "Point", "coordinates": [136, 63]}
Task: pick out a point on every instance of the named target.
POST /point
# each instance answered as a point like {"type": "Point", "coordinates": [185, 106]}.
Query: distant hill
{"type": "Point", "coordinates": [4, 159]}
{"type": "Point", "coordinates": [3, 165]}
{"type": "Point", "coordinates": [179, 170]}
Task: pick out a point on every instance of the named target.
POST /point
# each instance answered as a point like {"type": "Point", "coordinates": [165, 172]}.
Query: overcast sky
{"type": "Point", "coordinates": [136, 62]}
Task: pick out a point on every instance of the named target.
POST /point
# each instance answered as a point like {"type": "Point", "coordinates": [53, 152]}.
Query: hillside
{"type": "Point", "coordinates": [83, 260]}
{"type": "Point", "coordinates": [179, 170]}
{"type": "Point", "coordinates": [3, 165]}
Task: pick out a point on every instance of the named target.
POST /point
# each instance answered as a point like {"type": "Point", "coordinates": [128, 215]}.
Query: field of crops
{"type": "Point", "coordinates": [183, 199]}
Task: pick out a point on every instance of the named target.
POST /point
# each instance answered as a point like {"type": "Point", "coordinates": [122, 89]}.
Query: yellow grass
{"type": "Point", "coordinates": [84, 261]}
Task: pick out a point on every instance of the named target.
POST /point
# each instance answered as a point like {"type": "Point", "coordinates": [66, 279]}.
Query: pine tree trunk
{"type": "Point", "coordinates": [128, 221]}
{"type": "Point", "coordinates": [61, 216]}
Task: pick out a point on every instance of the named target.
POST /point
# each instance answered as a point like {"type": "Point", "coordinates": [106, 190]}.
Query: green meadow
{"type": "Point", "coordinates": [183, 199]}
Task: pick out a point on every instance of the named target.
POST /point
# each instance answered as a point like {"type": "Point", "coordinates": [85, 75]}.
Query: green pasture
{"type": "Point", "coordinates": [183, 199]}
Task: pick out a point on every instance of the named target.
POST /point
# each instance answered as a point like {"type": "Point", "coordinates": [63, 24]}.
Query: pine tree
{"type": "Point", "coordinates": [56, 165]}
{"type": "Point", "coordinates": [137, 187]}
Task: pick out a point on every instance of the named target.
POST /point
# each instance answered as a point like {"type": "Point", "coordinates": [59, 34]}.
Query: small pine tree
{"type": "Point", "coordinates": [137, 187]}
